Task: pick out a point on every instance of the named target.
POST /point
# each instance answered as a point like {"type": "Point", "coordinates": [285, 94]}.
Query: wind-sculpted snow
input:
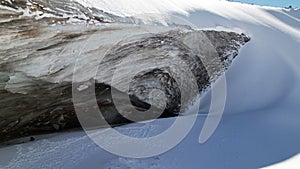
{"type": "Point", "coordinates": [37, 63]}
{"type": "Point", "coordinates": [260, 125]}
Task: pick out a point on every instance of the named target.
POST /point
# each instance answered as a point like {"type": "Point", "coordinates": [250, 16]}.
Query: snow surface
{"type": "Point", "coordinates": [261, 122]}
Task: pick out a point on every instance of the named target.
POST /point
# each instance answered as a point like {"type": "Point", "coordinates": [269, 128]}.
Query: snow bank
{"type": "Point", "coordinates": [262, 120]}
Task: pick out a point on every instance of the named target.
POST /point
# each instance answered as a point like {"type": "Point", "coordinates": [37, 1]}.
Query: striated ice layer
{"type": "Point", "coordinates": [40, 55]}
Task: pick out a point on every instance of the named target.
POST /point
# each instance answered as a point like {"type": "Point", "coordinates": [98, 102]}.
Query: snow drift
{"type": "Point", "coordinates": [261, 122]}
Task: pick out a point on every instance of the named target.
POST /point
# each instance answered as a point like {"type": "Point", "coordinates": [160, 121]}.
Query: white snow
{"type": "Point", "coordinates": [261, 122]}
{"type": "Point", "coordinates": [288, 164]}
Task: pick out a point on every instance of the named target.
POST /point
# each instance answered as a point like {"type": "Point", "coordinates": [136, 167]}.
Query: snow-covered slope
{"type": "Point", "coordinates": [261, 122]}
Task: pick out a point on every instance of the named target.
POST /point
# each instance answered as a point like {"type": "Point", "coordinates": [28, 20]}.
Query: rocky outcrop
{"type": "Point", "coordinates": [38, 63]}
{"type": "Point", "coordinates": [60, 11]}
